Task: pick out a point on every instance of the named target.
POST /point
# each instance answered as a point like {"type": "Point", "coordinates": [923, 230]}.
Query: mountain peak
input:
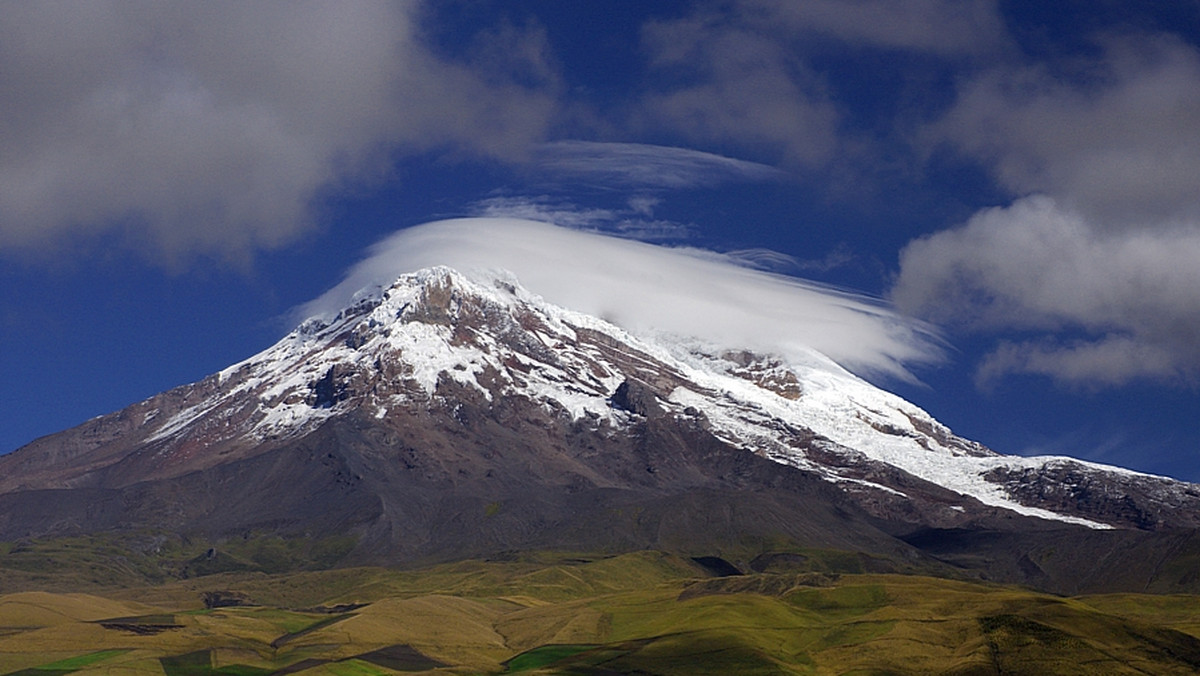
{"type": "Point", "coordinates": [468, 385]}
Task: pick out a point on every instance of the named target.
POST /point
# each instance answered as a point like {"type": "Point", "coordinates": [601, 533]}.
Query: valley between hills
{"type": "Point", "coordinates": [645, 612]}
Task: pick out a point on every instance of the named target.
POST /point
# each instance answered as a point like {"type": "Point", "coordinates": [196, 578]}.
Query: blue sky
{"type": "Point", "coordinates": [175, 179]}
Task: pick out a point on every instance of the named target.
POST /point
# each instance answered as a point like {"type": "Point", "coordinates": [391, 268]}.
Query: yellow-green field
{"type": "Point", "coordinates": [645, 613]}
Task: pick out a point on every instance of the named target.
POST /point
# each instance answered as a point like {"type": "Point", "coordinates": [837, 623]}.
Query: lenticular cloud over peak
{"type": "Point", "coordinates": [646, 289]}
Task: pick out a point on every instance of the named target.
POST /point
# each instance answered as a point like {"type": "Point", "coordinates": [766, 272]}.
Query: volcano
{"type": "Point", "coordinates": [451, 415]}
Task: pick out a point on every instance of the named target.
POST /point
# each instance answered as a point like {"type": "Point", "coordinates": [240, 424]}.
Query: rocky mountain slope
{"type": "Point", "coordinates": [451, 415]}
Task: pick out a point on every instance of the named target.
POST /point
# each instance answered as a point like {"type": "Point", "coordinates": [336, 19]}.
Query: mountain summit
{"type": "Point", "coordinates": [460, 415]}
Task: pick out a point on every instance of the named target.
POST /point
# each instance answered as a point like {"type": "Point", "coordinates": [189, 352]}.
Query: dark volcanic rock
{"type": "Point", "coordinates": [1124, 499]}
{"type": "Point", "coordinates": [637, 398]}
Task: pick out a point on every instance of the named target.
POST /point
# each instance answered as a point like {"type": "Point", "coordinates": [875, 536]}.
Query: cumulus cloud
{"type": "Point", "coordinates": [215, 126]}
{"type": "Point", "coordinates": [749, 74]}
{"type": "Point", "coordinates": [1118, 137]}
{"type": "Point", "coordinates": [1093, 264]}
{"type": "Point", "coordinates": [647, 288]}
{"type": "Point", "coordinates": [732, 83]}
{"type": "Point", "coordinates": [1040, 267]}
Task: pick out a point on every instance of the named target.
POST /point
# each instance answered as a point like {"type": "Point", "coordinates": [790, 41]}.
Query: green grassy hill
{"type": "Point", "coordinates": [552, 613]}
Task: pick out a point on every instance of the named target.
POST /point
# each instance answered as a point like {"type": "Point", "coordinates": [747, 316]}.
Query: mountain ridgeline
{"type": "Point", "coordinates": [449, 416]}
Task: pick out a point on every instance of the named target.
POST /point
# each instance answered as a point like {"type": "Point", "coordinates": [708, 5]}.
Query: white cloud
{"type": "Point", "coordinates": [643, 287]}
{"type": "Point", "coordinates": [636, 222]}
{"type": "Point", "coordinates": [646, 170]}
{"type": "Point", "coordinates": [1040, 267]}
{"type": "Point", "coordinates": [733, 83]}
{"type": "Point", "coordinates": [1095, 267]}
{"type": "Point", "coordinates": [748, 74]}
{"type": "Point", "coordinates": [545, 210]}
{"type": "Point", "coordinates": [640, 165]}
{"type": "Point", "coordinates": [215, 126]}
{"type": "Point", "coordinates": [643, 205]}
{"type": "Point", "coordinates": [763, 259]}
{"type": "Point", "coordinates": [1107, 361]}
{"type": "Point", "coordinates": [1119, 139]}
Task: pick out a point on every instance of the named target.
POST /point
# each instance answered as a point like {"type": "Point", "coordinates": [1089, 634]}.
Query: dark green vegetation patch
{"type": "Point", "coordinates": [149, 557]}
{"type": "Point", "coordinates": [543, 656]}
{"type": "Point", "coordinates": [71, 664]}
{"type": "Point", "coordinates": [200, 663]}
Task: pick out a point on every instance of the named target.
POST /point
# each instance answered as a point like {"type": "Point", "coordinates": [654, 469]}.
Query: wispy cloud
{"type": "Point", "coordinates": [646, 172]}
{"type": "Point", "coordinates": [635, 222]}
{"type": "Point", "coordinates": [647, 288]}
{"type": "Point", "coordinates": [766, 259]}
{"type": "Point", "coordinates": [545, 209]}
{"type": "Point", "coordinates": [643, 166]}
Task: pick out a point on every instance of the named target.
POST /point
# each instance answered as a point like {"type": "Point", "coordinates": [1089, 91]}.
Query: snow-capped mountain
{"type": "Point", "coordinates": [444, 384]}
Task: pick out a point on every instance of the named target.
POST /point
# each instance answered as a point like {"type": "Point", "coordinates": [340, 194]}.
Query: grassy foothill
{"type": "Point", "coordinates": [553, 613]}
